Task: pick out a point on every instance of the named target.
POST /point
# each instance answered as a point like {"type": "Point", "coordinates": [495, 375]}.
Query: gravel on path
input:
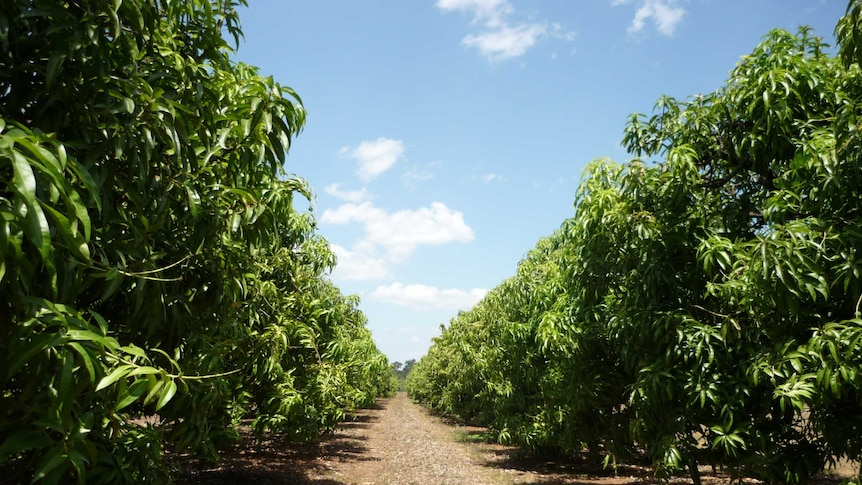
{"type": "Point", "coordinates": [404, 445]}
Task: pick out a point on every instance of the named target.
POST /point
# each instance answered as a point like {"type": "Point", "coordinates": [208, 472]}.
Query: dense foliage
{"type": "Point", "coordinates": [156, 283]}
{"type": "Point", "coordinates": [702, 306]}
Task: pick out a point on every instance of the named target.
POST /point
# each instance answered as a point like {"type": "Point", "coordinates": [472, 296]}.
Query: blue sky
{"type": "Point", "coordinates": [445, 137]}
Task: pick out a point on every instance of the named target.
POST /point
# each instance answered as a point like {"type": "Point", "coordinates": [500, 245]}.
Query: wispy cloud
{"type": "Point", "coordinates": [417, 174]}
{"type": "Point", "coordinates": [375, 157]}
{"type": "Point", "coordinates": [502, 38]}
{"type": "Point", "coordinates": [492, 177]}
{"type": "Point", "coordinates": [664, 14]}
{"type": "Point", "coordinates": [399, 233]}
{"type": "Point", "coordinates": [559, 32]}
{"type": "Point", "coordinates": [424, 297]}
{"type": "Point", "coordinates": [347, 195]}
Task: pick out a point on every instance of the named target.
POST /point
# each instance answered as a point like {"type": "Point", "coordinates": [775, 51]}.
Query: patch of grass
{"type": "Point", "coordinates": [473, 436]}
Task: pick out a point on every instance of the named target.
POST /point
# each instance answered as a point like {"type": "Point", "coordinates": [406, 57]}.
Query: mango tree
{"type": "Point", "coordinates": [703, 304]}
{"type": "Point", "coordinates": [157, 284]}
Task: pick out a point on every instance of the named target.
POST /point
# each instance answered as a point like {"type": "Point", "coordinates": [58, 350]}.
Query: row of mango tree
{"type": "Point", "coordinates": [702, 306]}
{"type": "Point", "coordinates": [157, 284]}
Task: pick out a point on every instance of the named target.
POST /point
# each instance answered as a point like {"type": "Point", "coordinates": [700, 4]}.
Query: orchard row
{"type": "Point", "coordinates": [157, 285]}
{"type": "Point", "coordinates": [702, 306]}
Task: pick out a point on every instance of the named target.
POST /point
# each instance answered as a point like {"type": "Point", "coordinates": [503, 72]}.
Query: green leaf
{"type": "Point", "coordinates": [36, 225]}
{"type": "Point", "coordinates": [115, 375]}
{"type": "Point", "coordinates": [48, 462]}
{"type": "Point", "coordinates": [194, 201]}
{"type": "Point", "coordinates": [53, 68]}
{"type": "Point", "coordinates": [133, 393]}
{"type": "Point", "coordinates": [109, 343]}
{"type": "Point", "coordinates": [134, 350]}
{"type": "Point", "coordinates": [65, 391]}
{"type": "Point", "coordinates": [23, 352]}
{"type": "Point", "coordinates": [170, 389]}
{"type": "Point", "coordinates": [86, 359]}
{"type": "Point", "coordinates": [90, 184]}
{"type": "Point", "coordinates": [145, 370]}
{"type": "Point", "coordinates": [23, 441]}
{"type": "Point", "coordinates": [155, 386]}
{"type": "Point", "coordinates": [70, 236]}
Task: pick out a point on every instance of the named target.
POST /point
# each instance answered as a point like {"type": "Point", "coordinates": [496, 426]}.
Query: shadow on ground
{"type": "Point", "coordinates": [576, 469]}
{"type": "Point", "coordinates": [269, 460]}
{"type": "Point", "coordinates": [580, 470]}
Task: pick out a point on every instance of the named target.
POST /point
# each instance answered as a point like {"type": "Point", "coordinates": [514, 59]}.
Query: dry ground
{"type": "Point", "coordinates": [400, 443]}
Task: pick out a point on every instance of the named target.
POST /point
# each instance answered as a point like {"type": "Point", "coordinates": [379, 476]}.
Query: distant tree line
{"type": "Point", "coordinates": [402, 370]}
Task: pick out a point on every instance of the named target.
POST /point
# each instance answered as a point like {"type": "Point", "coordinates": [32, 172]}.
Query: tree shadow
{"type": "Point", "coordinates": [271, 460]}
{"type": "Point", "coordinates": [363, 416]}
{"type": "Point", "coordinates": [579, 469]}
{"type": "Point", "coordinates": [257, 463]}
{"type": "Point", "coordinates": [574, 469]}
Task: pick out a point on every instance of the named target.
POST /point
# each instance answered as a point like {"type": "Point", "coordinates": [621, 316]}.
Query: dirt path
{"type": "Point", "coordinates": [400, 443]}
{"type": "Point", "coordinates": [405, 445]}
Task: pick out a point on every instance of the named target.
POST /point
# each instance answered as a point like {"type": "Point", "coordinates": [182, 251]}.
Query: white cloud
{"type": "Point", "coordinates": [505, 42]}
{"type": "Point", "coordinates": [347, 195]}
{"type": "Point", "coordinates": [400, 232]}
{"type": "Point", "coordinates": [375, 157]}
{"type": "Point", "coordinates": [391, 237]}
{"type": "Point", "coordinates": [487, 11]}
{"type": "Point", "coordinates": [424, 297]}
{"type": "Point", "coordinates": [492, 177]}
{"type": "Point", "coordinates": [359, 265]}
{"type": "Point", "coordinates": [664, 13]}
{"type": "Point", "coordinates": [502, 39]}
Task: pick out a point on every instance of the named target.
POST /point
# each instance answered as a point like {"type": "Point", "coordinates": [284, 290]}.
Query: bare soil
{"type": "Point", "coordinates": [400, 443]}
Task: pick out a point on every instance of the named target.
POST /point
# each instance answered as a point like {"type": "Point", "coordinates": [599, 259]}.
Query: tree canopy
{"type": "Point", "coordinates": [152, 263]}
